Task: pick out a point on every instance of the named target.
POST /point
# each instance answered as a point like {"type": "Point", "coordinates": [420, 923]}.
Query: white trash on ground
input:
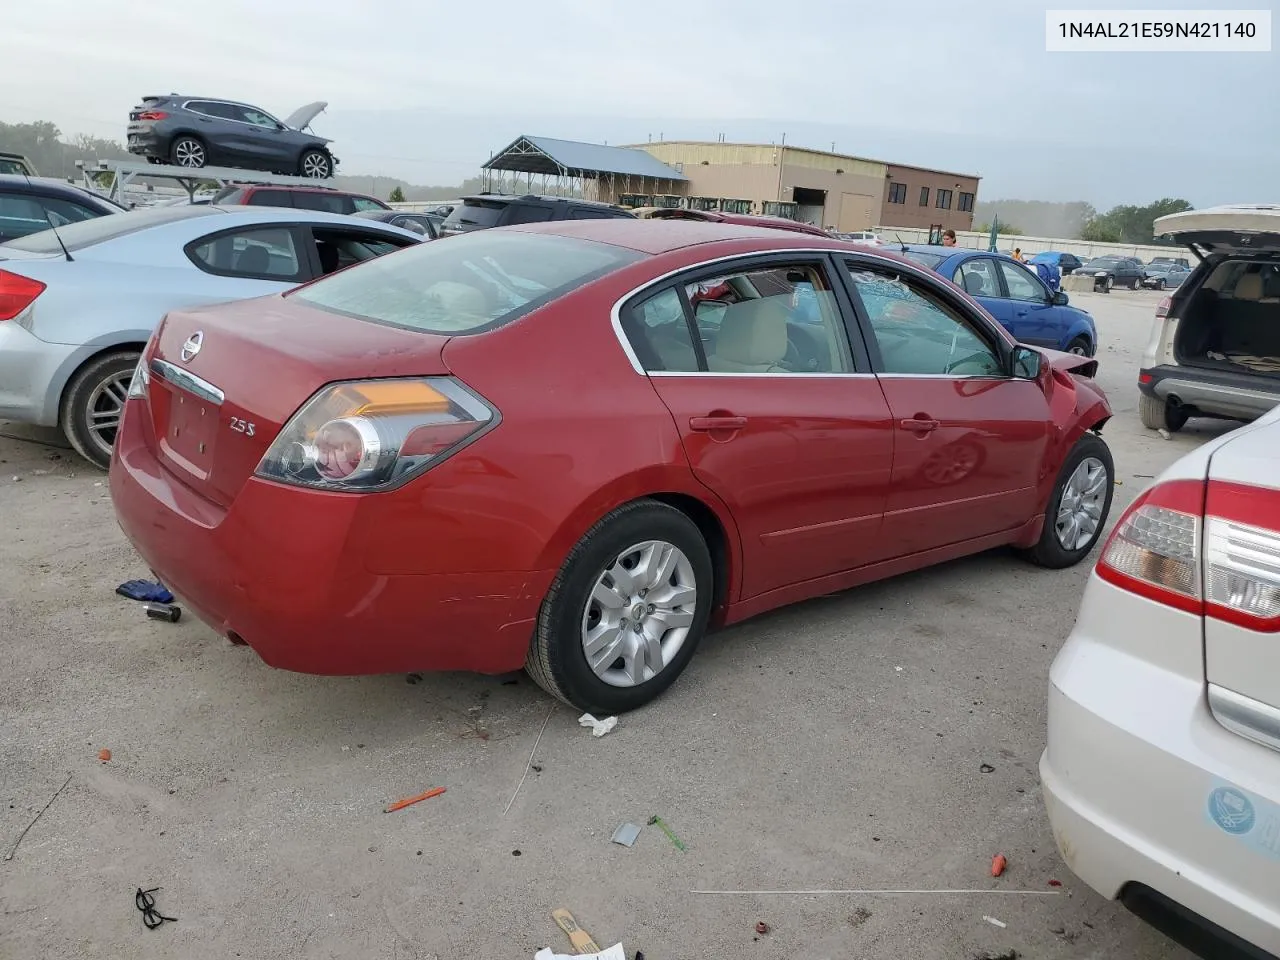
{"type": "Point", "coordinates": [598, 727]}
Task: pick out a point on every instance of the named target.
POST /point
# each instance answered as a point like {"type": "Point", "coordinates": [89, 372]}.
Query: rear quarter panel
{"type": "Point", "coordinates": [581, 434]}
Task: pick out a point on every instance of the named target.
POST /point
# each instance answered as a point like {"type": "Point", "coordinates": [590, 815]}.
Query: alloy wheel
{"type": "Point", "coordinates": [639, 613]}
{"type": "Point", "coordinates": [315, 165]}
{"type": "Point", "coordinates": [188, 153]}
{"type": "Point", "coordinates": [104, 408]}
{"type": "Point", "coordinates": [1080, 508]}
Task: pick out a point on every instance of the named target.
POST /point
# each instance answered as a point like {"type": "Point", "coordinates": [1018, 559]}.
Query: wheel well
{"type": "Point", "coordinates": [713, 532]}
{"type": "Point", "coordinates": [114, 348]}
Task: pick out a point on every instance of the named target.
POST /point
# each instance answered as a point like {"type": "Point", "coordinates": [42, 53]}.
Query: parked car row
{"type": "Point", "coordinates": [31, 204]}
{"type": "Point", "coordinates": [78, 304]}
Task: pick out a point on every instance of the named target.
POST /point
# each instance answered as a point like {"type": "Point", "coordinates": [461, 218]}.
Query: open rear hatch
{"type": "Point", "coordinates": [225, 380]}
{"type": "Point", "coordinates": [1228, 315]}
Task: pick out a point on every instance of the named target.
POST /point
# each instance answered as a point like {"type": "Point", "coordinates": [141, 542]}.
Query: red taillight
{"type": "Point", "coordinates": [1154, 551]}
{"type": "Point", "coordinates": [17, 293]}
{"type": "Point", "coordinates": [152, 115]}
{"type": "Point", "coordinates": [1210, 549]}
{"type": "Point", "coordinates": [1145, 378]}
{"type": "Point", "coordinates": [1162, 308]}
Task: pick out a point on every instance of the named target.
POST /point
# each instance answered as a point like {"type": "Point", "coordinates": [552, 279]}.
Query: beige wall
{"type": "Point", "coordinates": [911, 214]}
{"type": "Point", "coordinates": [857, 190]}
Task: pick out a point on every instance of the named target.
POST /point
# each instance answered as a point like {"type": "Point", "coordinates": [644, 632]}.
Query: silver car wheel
{"type": "Point", "coordinates": [188, 153]}
{"type": "Point", "coordinates": [639, 613]}
{"type": "Point", "coordinates": [1080, 509]}
{"type": "Point", "coordinates": [104, 409]}
{"type": "Point", "coordinates": [315, 165]}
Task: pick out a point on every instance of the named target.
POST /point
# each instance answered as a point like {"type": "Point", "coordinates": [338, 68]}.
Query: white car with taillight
{"type": "Point", "coordinates": [1162, 771]}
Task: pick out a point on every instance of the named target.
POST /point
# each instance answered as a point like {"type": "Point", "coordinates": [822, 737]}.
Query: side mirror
{"type": "Point", "coordinates": [1027, 363]}
{"type": "Point", "coordinates": [1060, 298]}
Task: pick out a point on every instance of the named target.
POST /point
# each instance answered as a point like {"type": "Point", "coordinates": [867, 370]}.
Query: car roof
{"type": "Point", "coordinates": [298, 188]}
{"type": "Point", "coordinates": [658, 235]}
{"type": "Point", "coordinates": [509, 197]}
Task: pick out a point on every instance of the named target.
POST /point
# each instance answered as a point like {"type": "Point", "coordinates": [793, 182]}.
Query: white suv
{"type": "Point", "coordinates": [1162, 772]}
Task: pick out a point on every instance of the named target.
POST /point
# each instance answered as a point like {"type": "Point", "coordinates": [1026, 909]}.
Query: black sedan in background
{"type": "Point", "coordinates": [1109, 272]}
{"type": "Point", "coordinates": [29, 205]}
{"type": "Point", "coordinates": [426, 224]}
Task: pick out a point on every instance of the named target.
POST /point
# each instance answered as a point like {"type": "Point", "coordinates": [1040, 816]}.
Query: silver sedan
{"type": "Point", "coordinates": [78, 306]}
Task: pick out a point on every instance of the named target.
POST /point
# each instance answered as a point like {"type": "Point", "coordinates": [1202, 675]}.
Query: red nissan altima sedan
{"type": "Point", "coordinates": [575, 447]}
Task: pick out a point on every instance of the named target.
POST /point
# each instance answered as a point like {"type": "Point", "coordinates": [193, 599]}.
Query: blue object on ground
{"type": "Point", "coordinates": [147, 590]}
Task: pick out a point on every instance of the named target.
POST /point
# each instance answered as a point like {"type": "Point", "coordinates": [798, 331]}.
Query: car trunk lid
{"type": "Point", "coordinates": [225, 380]}
{"type": "Point", "coordinates": [1242, 582]}
{"type": "Point", "coordinates": [1230, 228]}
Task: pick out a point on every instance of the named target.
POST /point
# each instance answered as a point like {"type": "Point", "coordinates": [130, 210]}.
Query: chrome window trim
{"type": "Point", "coordinates": [615, 315]}
{"type": "Point", "coordinates": [188, 381]}
{"type": "Point", "coordinates": [232, 103]}
{"type": "Point", "coordinates": [1250, 718]}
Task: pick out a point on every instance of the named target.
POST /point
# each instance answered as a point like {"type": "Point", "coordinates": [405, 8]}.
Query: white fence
{"type": "Point", "coordinates": [1032, 245]}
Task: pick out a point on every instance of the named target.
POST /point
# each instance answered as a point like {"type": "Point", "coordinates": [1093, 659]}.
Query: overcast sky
{"type": "Point", "coordinates": [424, 90]}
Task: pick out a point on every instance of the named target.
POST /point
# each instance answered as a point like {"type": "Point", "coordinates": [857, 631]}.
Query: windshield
{"type": "Point", "coordinates": [86, 233]}
{"type": "Point", "coordinates": [1104, 262]}
{"type": "Point", "coordinates": [15, 167]}
{"type": "Point", "coordinates": [473, 214]}
{"type": "Point", "coordinates": [929, 260]}
{"type": "Point", "coordinates": [468, 284]}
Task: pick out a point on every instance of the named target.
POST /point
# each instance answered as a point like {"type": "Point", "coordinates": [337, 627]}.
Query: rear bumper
{"type": "Point", "coordinates": [1214, 392]}
{"type": "Point", "coordinates": [1130, 775]}
{"type": "Point", "coordinates": [285, 570]}
{"type": "Point", "coordinates": [146, 142]}
{"type": "Point", "coordinates": [28, 368]}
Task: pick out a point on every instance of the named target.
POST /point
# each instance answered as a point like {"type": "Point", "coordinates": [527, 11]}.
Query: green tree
{"type": "Point", "coordinates": [397, 195]}
{"type": "Point", "coordinates": [1098, 230]}
{"type": "Point", "coordinates": [1131, 224]}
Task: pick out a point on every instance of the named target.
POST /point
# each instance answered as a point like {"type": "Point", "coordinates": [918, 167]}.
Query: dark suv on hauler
{"type": "Point", "coordinates": [204, 131]}
{"type": "Point", "coordinates": [486, 210]}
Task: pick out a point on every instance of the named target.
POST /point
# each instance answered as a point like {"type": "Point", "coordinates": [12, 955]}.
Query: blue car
{"type": "Point", "coordinates": [1014, 295]}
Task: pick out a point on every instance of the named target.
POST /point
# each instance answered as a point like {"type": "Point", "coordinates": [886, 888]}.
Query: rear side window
{"type": "Point", "coordinates": [590, 213]}
{"type": "Point", "coordinates": [270, 198]}
{"type": "Point", "coordinates": [525, 213]}
{"type": "Point", "coordinates": [471, 283]}
{"type": "Point", "coordinates": [326, 202]}
{"type": "Point", "coordinates": [474, 214]}
{"type": "Point", "coordinates": [263, 253]}
{"type": "Point", "coordinates": [929, 260]}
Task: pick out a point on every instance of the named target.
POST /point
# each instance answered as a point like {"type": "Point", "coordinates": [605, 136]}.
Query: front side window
{"type": "Point", "coordinates": [1022, 285]}
{"type": "Point", "coordinates": [944, 199]}
{"type": "Point", "coordinates": [474, 282]}
{"type": "Point", "coordinates": [917, 332]}
{"type": "Point", "coordinates": [320, 200]}
{"type": "Point", "coordinates": [263, 253]}
{"type": "Point", "coordinates": [365, 203]}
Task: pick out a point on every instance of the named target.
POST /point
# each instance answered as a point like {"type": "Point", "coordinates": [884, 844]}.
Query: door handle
{"type": "Point", "coordinates": [919, 425]}
{"type": "Point", "coordinates": [706, 424]}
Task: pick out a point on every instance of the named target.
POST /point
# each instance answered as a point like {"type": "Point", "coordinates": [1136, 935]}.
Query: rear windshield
{"type": "Point", "coordinates": [474, 213]}
{"type": "Point", "coordinates": [1104, 262]}
{"type": "Point", "coordinates": [929, 260]}
{"type": "Point", "coordinates": [465, 284]}
{"type": "Point", "coordinates": [86, 233]}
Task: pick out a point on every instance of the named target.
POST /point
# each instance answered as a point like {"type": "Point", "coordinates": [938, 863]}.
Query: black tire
{"type": "Point", "coordinates": [315, 165]}
{"type": "Point", "coordinates": [1135, 283]}
{"type": "Point", "coordinates": [1080, 346]}
{"type": "Point", "coordinates": [188, 151]}
{"type": "Point", "coordinates": [1157, 414]}
{"type": "Point", "coordinates": [1050, 551]}
{"type": "Point", "coordinates": [96, 388]}
{"type": "Point", "coordinates": [1159, 284]}
{"type": "Point", "coordinates": [557, 661]}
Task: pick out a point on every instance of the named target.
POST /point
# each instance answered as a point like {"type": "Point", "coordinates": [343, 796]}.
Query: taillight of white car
{"type": "Point", "coordinates": [1208, 547]}
{"type": "Point", "coordinates": [375, 434]}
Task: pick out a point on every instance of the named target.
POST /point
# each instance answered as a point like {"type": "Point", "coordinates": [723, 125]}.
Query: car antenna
{"type": "Point", "coordinates": [49, 220]}
{"type": "Point", "coordinates": [899, 239]}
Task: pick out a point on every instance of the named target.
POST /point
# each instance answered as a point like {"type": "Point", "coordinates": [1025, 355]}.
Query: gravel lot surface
{"type": "Point", "coordinates": [836, 744]}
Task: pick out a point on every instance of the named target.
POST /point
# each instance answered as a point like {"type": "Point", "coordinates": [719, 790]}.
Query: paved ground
{"type": "Point", "coordinates": [837, 744]}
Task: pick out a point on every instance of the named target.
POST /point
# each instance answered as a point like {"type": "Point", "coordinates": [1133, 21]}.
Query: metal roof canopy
{"type": "Point", "coordinates": [571, 158]}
